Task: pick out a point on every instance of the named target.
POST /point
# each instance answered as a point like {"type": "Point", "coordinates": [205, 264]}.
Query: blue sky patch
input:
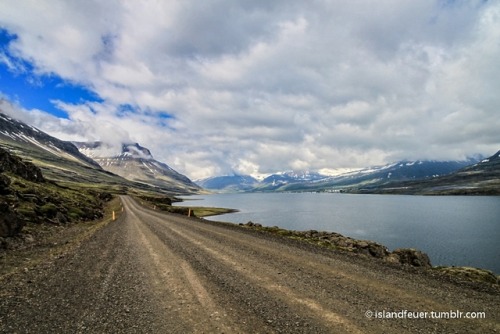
{"type": "Point", "coordinates": [19, 83]}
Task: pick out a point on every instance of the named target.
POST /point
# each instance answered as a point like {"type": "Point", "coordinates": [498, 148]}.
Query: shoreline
{"type": "Point", "coordinates": [454, 231]}
{"type": "Point", "coordinates": [406, 259]}
{"type": "Point", "coordinates": [409, 257]}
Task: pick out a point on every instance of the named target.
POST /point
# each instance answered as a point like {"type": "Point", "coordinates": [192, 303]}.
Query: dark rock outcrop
{"type": "Point", "coordinates": [24, 169]}
{"type": "Point", "coordinates": [4, 185]}
{"type": "Point", "coordinates": [412, 257]}
{"type": "Point", "coordinates": [10, 224]}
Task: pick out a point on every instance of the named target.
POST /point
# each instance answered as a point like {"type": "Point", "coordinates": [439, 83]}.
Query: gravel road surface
{"type": "Point", "coordinates": [152, 272]}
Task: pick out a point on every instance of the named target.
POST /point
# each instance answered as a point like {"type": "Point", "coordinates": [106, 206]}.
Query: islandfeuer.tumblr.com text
{"type": "Point", "coordinates": [407, 314]}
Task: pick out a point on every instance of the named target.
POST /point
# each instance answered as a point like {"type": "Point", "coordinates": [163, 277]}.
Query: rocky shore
{"type": "Point", "coordinates": [403, 256]}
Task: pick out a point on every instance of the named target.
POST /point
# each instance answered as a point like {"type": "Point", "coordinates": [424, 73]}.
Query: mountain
{"type": "Point", "coordinates": [489, 166]}
{"type": "Point", "coordinates": [46, 180]}
{"type": "Point", "coordinates": [481, 178]}
{"type": "Point", "coordinates": [62, 161]}
{"type": "Point", "coordinates": [283, 180]}
{"type": "Point", "coordinates": [19, 133]}
{"type": "Point", "coordinates": [273, 182]}
{"type": "Point", "coordinates": [58, 160]}
{"type": "Point", "coordinates": [367, 178]}
{"type": "Point", "coordinates": [228, 183]}
{"type": "Point", "coordinates": [395, 172]}
{"type": "Point", "coordinates": [136, 163]}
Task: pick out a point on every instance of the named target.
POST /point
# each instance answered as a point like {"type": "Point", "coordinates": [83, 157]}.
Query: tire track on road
{"type": "Point", "coordinates": [195, 302]}
{"type": "Point", "coordinates": [281, 292]}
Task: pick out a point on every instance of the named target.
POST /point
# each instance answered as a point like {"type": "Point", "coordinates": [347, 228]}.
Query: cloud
{"type": "Point", "coordinates": [270, 85]}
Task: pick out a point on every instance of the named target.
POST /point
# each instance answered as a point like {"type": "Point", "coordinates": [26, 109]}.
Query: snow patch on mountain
{"type": "Point", "coordinates": [136, 163]}
{"type": "Point", "coordinates": [17, 131]}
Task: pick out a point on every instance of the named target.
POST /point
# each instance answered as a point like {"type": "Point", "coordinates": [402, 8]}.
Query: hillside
{"type": "Point", "coordinates": [58, 160]}
{"type": "Point", "coordinates": [229, 183]}
{"type": "Point", "coordinates": [482, 178]}
{"type": "Point", "coordinates": [285, 181]}
{"type": "Point", "coordinates": [401, 171]}
{"type": "Point", "coordinates": [13, 131]}
{"type": "Point", "coordinates": [26, 197]}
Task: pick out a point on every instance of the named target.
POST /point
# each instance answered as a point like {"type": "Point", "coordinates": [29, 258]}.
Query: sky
{"type": "Point", "coordinates": [252, 87]}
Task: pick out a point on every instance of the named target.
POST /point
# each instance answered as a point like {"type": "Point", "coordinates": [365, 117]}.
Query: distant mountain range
{"type": "Point", "coordinates": [136, 163]}
{"type": "Point", "coordinates": [482, 178]}
{"type": "Point", "coordinates": [372, 179]}
{"type": "Point", "coordinates": [229, 183]}
{"type": "Point", "coordinates": [62, 161]}
{"type": "Point", "coordinates": [132, 165]}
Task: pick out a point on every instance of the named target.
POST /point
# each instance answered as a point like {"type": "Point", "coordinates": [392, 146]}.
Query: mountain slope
{"type": "Point", "coordinates": [26, 197]}
{"type": "Point", "coordinates": [482, 178]}
{"type": "Point", "coordinates": [59, 160]}
{"type": "Point", "coordinates": [395, 172]}
{"type": "Point", "coordinates": [228, 183]}
{"type": "Point", "coordinates": [18, 132]}
{"type": "Point", "coordinates": [136, 163]}
{"type": "Point", "coordinates": [284, 181]}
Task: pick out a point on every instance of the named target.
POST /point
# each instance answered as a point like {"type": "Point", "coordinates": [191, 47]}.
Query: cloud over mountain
{"type": "Point", "coordinates": [219, 86]}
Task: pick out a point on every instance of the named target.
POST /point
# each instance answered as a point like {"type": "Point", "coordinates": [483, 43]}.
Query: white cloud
{"type": "Point", "coordinates": [271, 85]}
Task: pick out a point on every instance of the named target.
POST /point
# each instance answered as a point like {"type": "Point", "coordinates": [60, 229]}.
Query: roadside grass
{"type": "Point", "coordinates": [200, 211]}
{"type": "Point", "coordinates": [165, 204]}
{"type": "Point", "coordinates": [47, 202]}
{"type": "Point", "coordinates": [469, 274]}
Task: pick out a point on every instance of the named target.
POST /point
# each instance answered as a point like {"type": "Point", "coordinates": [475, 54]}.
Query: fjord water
{"type": "Point", "coordinates": [452, 230]}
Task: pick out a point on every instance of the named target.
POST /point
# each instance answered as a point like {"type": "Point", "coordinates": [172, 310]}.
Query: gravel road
{"type": "Point", "coordinates": [151, 272]}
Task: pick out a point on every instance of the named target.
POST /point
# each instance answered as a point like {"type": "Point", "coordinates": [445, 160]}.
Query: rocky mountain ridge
{"type": "Point", "coordinates": [136, 163]}
{"type": "Point", "coordinates": [229, 183]}
{"type": "Point", "coordinates": [133, 165]}
{"type": "Point", "coordinates": [12, 130]}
